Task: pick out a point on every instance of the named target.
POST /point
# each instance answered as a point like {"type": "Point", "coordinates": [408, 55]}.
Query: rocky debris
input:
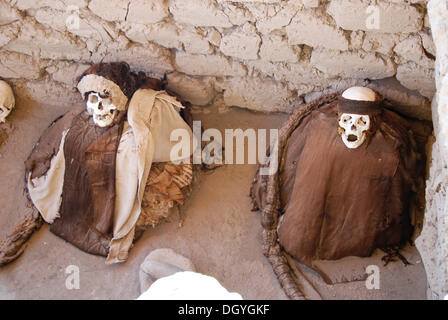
{"type": "Point", "coordinates": [242, 42]}
{"type": "Point", "coordinates": [352, 64]}
{"type": "Point", "coordinates": [66, 72]}
{"type": "Point", "coordinates": [162, 263]}
{"type": "Point", "coordinates": [411, 49]}
{"type": "Point", "coordinates": [208, 65]}
{"type": "Point", "coordinates": [416, 77]}
{"type": "Point", "coordinates": [197, 91]}
{"type": "Point", "coordinates": [199, 13]}
{"type": "Point", "coordinates": [18, 66]}
{"type": "Point", "coordinates": [262, 95]}
{"type": "Point", "coordinates": [276, 48]}
{"type": "Point", "coordinates": [382, 17]}
{"type": "Point", "coordinates": [315, 30]}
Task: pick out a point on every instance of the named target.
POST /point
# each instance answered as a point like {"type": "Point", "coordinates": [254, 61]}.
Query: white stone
{"type": "Point", "coordinates": [45, 91]}
{"type": "Point", "coordinates": [163, 33]}
{"type": "Point", "coordinates": [55, 19]}
{"type": "Point", "coordinates": [266, 23]}
{"type": "Point", "coordinates": [208, 65]}
{"type": "Point", "coordinates": [355, 15]}
{"type": "Point", "coordinates": [276, 48]}
{"type": "Point", "coordinates": [214, 37]}
{"type": "Point", "coordinates": [416, 77]}
{"type": "Point", "coordinates": [199, 13]}
{"type": "Point", "coordinates": [199, 92]}
{"type": "Point", "coordinates": [310, 3]}
{"type": "Point", "coordinates": [162, 263]}
{"type": "Point", "coordinates": [150, 58]}
{"type": "Point", "coordinates": [8, 33]}
{"type": "Point", "coordinates": [432, 242]}
{"type": "Point", "coordinates": [251, 1]}
{"type": "Point", "coordinates": [411, 49]}
{"type": "Point", "coordinates": [96, 29]}
{"type": "Point", "coordinates": [7, 14]}
{"type": "Point", "coordinates": [299, 76]}
{"type": "Point", "coordinates": [428, 43]}
{"type": "Point", "coordinates": [237, 14]}
{"type": "Point", "coordinates": [356, 39]}
{"type": "Point", "coordinates": [110, 10]}
{"type": "Point", "coordinates": [188, 286]}
{"type": "Point", "coordinates": [147, 11]}
{"type": "Point", "coordinates": [66, 72]}
{"type": "Point", "coordinates": [54, 4]}
{"type": "Point", "coordinates": [195, 42]}
{"type": "Point", "coordinates": [16, 65]}
{"type": "Point", "coordinates": [358, 65]}
{"type": "Point", "coordinates": [258, 94]}
{"type": "Point", "coordinates": [47, 44]}
{"type": "Point", "coordinates": [381, 42]}
{"type": "Point", "coordinates": [315, 30]}
{"type": "Point", "coordinates": [242, 42]}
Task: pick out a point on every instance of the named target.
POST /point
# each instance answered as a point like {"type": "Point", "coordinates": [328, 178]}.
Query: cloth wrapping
{"type": "Point", "coordinates": [339, 202]}
{"type": "Point", "coordinates": [115, 199]}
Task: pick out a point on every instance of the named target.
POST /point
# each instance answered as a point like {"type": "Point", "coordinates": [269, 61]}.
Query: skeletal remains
{"type": "Point", "coordinates": [348, 174]}
{"type": "Point", "coordinates": [7, 100]}
{"type": "Point", "coordinates": [103, 173]}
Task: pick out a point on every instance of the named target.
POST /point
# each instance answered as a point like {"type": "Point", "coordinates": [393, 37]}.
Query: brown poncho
{"type": "Point", "coordinates": [340, 202]}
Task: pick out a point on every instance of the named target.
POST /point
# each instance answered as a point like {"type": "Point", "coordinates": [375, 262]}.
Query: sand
{"type": "Point", "coordinates": [218, 232]}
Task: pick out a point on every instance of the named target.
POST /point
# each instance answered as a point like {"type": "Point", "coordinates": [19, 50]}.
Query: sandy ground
{"type": "Point", "coordinates": [219, 232]}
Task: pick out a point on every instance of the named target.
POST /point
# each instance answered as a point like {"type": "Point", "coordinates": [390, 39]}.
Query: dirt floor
{"type": "Point", "coordinates": [219, 232]}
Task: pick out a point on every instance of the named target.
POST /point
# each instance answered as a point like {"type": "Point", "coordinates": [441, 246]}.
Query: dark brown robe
{"type": "Point", "coordinates": [88, 195]}
{"type": "Point", "coordinates": [340, 202]}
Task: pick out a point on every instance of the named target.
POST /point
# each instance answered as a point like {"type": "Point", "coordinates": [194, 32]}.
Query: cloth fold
{"type": "Point", "coordinates": [112, 168]}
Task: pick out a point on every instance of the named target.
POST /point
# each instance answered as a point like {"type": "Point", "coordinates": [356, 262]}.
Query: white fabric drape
{"type": "Point", "coordinates": [152, 116]}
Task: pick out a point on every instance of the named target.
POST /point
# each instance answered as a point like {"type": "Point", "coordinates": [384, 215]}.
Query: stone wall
{"type": "Point", "coordinates": [265, 55]}
{"type": "Point", "coordinates": [433, 241]}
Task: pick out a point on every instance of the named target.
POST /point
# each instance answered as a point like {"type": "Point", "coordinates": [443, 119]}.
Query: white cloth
{"type": "Point", "coordinates": [188, 285]}
{"type": "Point", "coordinates": [46, 191]}
{"type": "Point", "coordinates": [152, 116]}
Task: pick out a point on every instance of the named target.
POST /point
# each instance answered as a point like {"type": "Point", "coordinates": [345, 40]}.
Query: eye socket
{"type": "Point", "coordinates": [93, 98]}
{"type": "Point", "coordinates": [362, 121]}
{"type": "Point", "coordinates": [346, 118]}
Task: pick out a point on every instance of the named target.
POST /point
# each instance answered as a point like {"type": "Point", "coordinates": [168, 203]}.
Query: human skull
{"type": "Point", "coordinates": [355, 127]}
{"type": "Point", "coordinates": [102, 110]}
{"type": "Point", "coordinates": [7, 100]}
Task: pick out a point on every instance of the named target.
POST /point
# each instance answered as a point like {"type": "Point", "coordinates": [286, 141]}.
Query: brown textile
{"type": "Point", "coordinates": [40, 157]}
{"type": "Point", "coordinates": [339, 201]}
{"type": "Point", "coordinates": [88, 195]}
{"type": "Point", "coordinates": [359, 107]}
{"type": "Point", "coordinates": [344, 202]}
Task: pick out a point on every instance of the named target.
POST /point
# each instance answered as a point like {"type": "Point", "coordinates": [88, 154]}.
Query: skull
{"type": "Point", "coordinates": [354, 128]}
{"type": "Point", "coordinates": [7, 101]}
{"type": "Point", "coordinates": [102, 110]}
